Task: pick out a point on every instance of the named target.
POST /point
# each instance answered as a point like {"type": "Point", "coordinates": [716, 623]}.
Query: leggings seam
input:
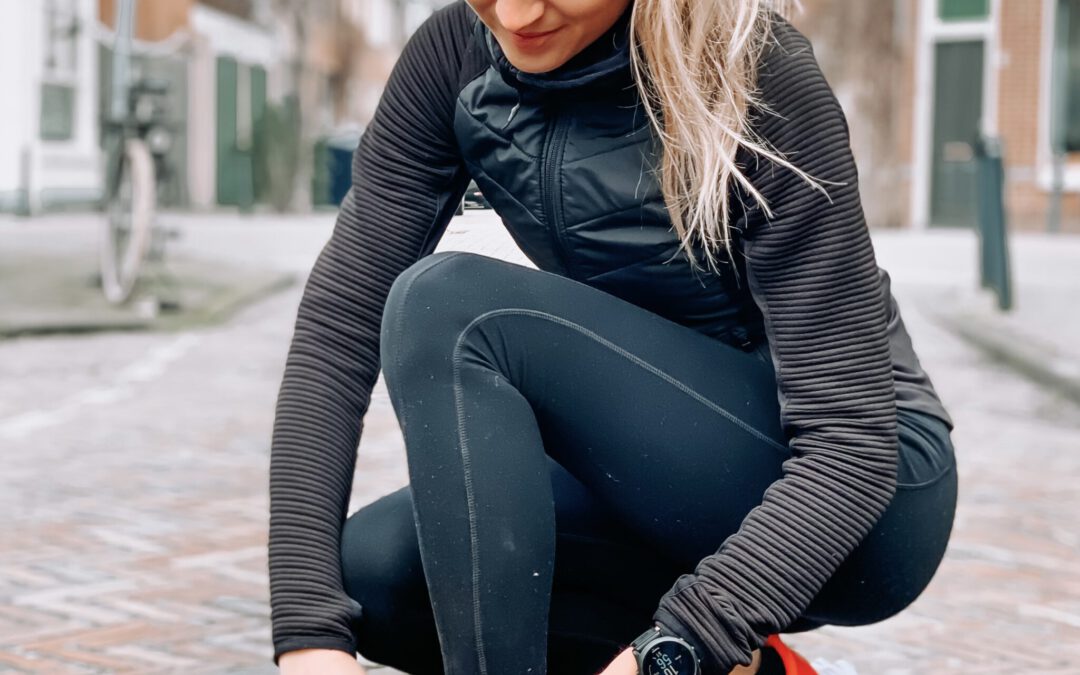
{"type": "Point", "coordinates": [636, 360]}
{"type": "Point", "coordinates": [468, 479]}
{"type": "Point", "coordinates": [466, 460]}
{"type": "Point", "coordinates": [927, 483]}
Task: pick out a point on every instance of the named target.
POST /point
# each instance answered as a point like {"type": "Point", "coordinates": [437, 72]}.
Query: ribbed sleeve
{"type": "Point", "coordinates": [812, 272]}
{"type": "Point", "coordinates": [407, 180]}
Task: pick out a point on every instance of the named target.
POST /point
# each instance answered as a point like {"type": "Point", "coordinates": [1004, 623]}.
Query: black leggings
{"type": "Point", "coordinates": [570, 455]}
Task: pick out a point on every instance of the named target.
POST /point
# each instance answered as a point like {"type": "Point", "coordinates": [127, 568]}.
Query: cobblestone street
{"type": "Point", "coordinates": [135, 486]}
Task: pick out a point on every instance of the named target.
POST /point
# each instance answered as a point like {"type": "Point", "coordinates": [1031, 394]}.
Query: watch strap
{"type": "Point", "coordinates": [639, 643]}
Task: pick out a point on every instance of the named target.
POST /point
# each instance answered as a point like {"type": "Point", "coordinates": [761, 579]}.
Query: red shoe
{"type": "Point", "coordinates": [794, 663]}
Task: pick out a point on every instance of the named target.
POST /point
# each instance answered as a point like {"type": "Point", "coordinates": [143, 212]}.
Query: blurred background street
{"type": "Point", "coordinates": [134, 435]}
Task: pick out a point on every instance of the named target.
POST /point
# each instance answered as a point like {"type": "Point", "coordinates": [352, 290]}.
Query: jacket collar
{"type": "Point", "coordinates": [605, 62]}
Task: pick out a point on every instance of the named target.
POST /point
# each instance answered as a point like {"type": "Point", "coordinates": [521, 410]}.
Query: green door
{"type": "Point", "coordinates": [236, 136]}
{"type": "Point", "coordinates": [958, 96]}
{"type": "Point", "coordinates": [258, 112]}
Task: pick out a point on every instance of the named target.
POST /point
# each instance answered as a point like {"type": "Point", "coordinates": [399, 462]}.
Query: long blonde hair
{"type": "Point", "coordinates": [695, 64]}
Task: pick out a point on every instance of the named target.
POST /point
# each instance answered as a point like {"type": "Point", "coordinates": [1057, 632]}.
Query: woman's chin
{"type": "Point", "coordinates": [533, 65]}
{"type": "Point", "coordinates": [533, 62]}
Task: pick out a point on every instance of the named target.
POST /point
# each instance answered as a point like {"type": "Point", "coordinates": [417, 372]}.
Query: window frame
{"type": "Point", "coordinates": [60, 16]}
{"type": "Point", "coordinates": [960, 15]}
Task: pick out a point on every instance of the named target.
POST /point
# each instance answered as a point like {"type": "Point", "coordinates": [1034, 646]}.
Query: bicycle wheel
{"type": "Point", "coordinates": [129, 218]}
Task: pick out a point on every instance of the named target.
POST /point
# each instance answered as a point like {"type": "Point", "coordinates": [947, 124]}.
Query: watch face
{"type": "Point", "coordinates": [669, 657]}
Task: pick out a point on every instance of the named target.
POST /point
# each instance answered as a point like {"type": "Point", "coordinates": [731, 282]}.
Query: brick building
{"type": "Point", "coordinates": [920, 79]}
{"type": "Point", "coordinates": [316, 63]}
{"type": "Point", "coordinates": [226, 63]}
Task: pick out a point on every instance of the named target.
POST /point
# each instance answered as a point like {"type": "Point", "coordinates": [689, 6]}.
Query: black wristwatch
{"type": "Point", "coordinates": [659, 653]}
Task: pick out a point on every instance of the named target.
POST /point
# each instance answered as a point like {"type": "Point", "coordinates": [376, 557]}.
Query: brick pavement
{"type": "Point", "coordinates": [135, 477]}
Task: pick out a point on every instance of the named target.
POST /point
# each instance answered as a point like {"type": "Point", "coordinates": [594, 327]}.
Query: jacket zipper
{"type": "Point", "coordinates": [549, 185]}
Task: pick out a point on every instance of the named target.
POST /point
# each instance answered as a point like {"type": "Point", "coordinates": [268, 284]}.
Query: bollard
{"type": "Point", "coordinates": [991, 224]}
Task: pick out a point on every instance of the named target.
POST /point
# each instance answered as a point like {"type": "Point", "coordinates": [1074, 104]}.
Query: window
{"type": "Point", "coordinates": [963, 10]}
{"type": "Point", "coordinates": [59, 75]}
{"type": "Point", "coordinates": [1066, 80]}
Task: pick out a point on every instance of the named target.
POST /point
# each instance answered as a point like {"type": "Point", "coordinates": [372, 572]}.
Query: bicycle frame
{"type": "Point", "coordinates": [130, 184]}
{"type": "Point", "coordinates": [117, 120]}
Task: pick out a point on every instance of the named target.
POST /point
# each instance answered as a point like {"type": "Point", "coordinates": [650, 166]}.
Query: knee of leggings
{"type": "Point", "coordinates": [382, 571]}
{"type": "Point", "coordinates": [380, 558]}
{"type": "Point", "coordinates": [428, 304]}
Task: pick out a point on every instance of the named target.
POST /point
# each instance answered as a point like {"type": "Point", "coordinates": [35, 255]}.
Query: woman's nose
{"type": "Point", "coordinates": [516, 15]}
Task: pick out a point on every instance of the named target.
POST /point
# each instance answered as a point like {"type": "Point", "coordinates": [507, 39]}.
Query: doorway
{"type": "Point", "coordinates": [957, 117]}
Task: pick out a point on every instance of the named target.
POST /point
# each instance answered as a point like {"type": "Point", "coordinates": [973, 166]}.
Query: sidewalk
{"type": "Point", "coordinates": [1039, 337]}
{"type": "Point", "coordinates": [49, 274]}
{"type": "Point", "coordinates": [223, 261]}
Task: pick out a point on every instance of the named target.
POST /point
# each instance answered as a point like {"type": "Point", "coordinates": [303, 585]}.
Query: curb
{"type": "Point", "coordinates": [216, 306]}
{"type": "Point", "coordinates": [1018, 352]}
{"type": "Point", "coordinates": [229, 303]}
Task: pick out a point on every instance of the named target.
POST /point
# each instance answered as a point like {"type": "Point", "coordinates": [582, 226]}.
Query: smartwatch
{"type": "Point", "coordinates": [659, 653]}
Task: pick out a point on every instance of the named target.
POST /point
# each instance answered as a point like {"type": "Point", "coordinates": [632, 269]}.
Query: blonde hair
{"type": "Point", "coordinates": [695, 64]}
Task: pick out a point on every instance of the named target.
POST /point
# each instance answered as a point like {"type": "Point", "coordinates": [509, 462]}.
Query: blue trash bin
{"type": "Point", "coordinates": [340, 148]}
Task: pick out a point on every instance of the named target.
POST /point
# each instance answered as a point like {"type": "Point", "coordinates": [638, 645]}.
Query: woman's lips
{"type": "Point", "coordinates": [532, 40]}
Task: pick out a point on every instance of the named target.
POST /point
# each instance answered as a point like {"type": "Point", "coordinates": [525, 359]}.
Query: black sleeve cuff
{"type": "Point", "coordinates": [711, 623]}
{"type": "Point", "coordinates": [313, 642]}
{"type": "Point", "coordinates": [669, 625]}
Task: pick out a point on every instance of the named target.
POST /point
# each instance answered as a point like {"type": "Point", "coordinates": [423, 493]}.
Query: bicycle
{"type": "Point", "coordinates": [136, 139]}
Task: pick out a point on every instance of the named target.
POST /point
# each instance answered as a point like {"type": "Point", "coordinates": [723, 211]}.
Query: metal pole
{"type": "Point", "coordinates": [1057, 112]}
{"type": "Point", "coordinates": [1057, 187]}
{"type": "Point", "coordinates": [993, 226]}
{"type": "Point", "coordinates": [121, 65]}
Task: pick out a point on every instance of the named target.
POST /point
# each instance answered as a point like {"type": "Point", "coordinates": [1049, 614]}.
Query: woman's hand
{"type": "Point", "coordinates": [626, 664]}
{"type": "Point", "coordinates": [319, 662]}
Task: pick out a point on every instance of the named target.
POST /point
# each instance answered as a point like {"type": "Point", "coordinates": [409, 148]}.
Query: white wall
{"type": "Point", "coordinates": [49, 172]}
{"type": "Point", "coordinates": [202, 124]}
{"type": "Point", "coordinates": [240, 39]}
{"type": "Point", "coordinates": [71, 170]}
{"type": "Point", "coordinates": [15, 79]}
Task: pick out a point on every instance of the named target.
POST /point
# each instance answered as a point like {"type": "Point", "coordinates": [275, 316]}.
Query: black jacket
{"type": "Point", "coordinates": [567, 159]}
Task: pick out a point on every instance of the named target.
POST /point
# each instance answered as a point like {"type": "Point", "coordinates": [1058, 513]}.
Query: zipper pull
{"type": "Point", "coordinates": [513, 111]}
